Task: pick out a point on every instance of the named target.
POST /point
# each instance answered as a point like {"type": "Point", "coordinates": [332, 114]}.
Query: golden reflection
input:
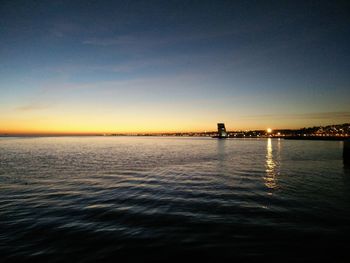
{"type": "Point", "coordinates": [270, 178]}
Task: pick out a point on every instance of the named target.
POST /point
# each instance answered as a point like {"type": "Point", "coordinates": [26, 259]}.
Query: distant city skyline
{"type": "Point", "coordinates": [172, 66]}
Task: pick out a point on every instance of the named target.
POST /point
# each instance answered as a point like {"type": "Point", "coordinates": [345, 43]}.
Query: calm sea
{"type": "Point", "coordinates": [86, 199]}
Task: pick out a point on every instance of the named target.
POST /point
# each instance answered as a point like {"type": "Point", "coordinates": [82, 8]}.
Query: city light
{"type": "Point", "coordinates": [269, 130]}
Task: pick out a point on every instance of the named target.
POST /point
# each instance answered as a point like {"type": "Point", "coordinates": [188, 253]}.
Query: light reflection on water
{"type": "Point", "coordinates": [106, 197]}
{"type": "Point", "coordinates": [271, 166]}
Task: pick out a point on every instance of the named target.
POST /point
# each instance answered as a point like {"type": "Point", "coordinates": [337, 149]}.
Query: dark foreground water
{"type": "Point", "coordinates": [87, 199]}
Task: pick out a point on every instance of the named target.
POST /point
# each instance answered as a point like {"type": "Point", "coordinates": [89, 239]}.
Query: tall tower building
{"type": "Point", "coordinates": [222, 130]}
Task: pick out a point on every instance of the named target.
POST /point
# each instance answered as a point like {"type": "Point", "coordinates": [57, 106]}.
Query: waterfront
{"type": "Point", "coordinates": [93, 198]}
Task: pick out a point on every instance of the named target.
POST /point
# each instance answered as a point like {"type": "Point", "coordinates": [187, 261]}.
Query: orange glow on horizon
{"type": "Point", "coordinates": [64, 122]}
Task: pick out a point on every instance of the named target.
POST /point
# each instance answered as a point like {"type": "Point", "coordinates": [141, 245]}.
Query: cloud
{"type": "Point", "coordinates": [32, 107]}
{"type": "Point", "coordinates": [111, 41]}
{"type": "Point", "coordinates": [64, 28]}
{"type": "Point", "coordinates": [148, 40]}
{"type": "Point", "coordinates": [300, 116]}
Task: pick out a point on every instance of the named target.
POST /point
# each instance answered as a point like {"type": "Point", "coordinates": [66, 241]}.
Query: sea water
{"type": "Point", "coordinates": [157, 198]}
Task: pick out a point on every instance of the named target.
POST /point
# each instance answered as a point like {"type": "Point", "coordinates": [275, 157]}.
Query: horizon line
{"type": "Point", "coordinates": [101, 133]}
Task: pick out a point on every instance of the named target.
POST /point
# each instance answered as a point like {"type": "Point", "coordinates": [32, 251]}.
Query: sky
{"type": "Point", "coordinates": [165, 66]}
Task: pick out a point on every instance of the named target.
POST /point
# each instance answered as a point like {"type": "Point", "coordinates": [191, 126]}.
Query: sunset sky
{"type": "Point", "coordinates": [162, 66]}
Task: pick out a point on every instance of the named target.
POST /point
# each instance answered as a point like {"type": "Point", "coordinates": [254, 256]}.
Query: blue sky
{"type": "Point", "coordinates": [128, 66]}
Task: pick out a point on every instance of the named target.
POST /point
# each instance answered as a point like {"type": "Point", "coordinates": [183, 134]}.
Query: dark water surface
{"type": "Point", "coordinates": [153, 198]}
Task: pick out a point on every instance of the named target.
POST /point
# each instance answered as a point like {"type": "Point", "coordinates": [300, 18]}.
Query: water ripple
{"type": "Point", "coordinates": [102, 198]}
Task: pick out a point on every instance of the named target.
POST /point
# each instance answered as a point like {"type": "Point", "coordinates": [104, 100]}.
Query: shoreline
{"type": "Point", "coordinates": [311, 137]}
